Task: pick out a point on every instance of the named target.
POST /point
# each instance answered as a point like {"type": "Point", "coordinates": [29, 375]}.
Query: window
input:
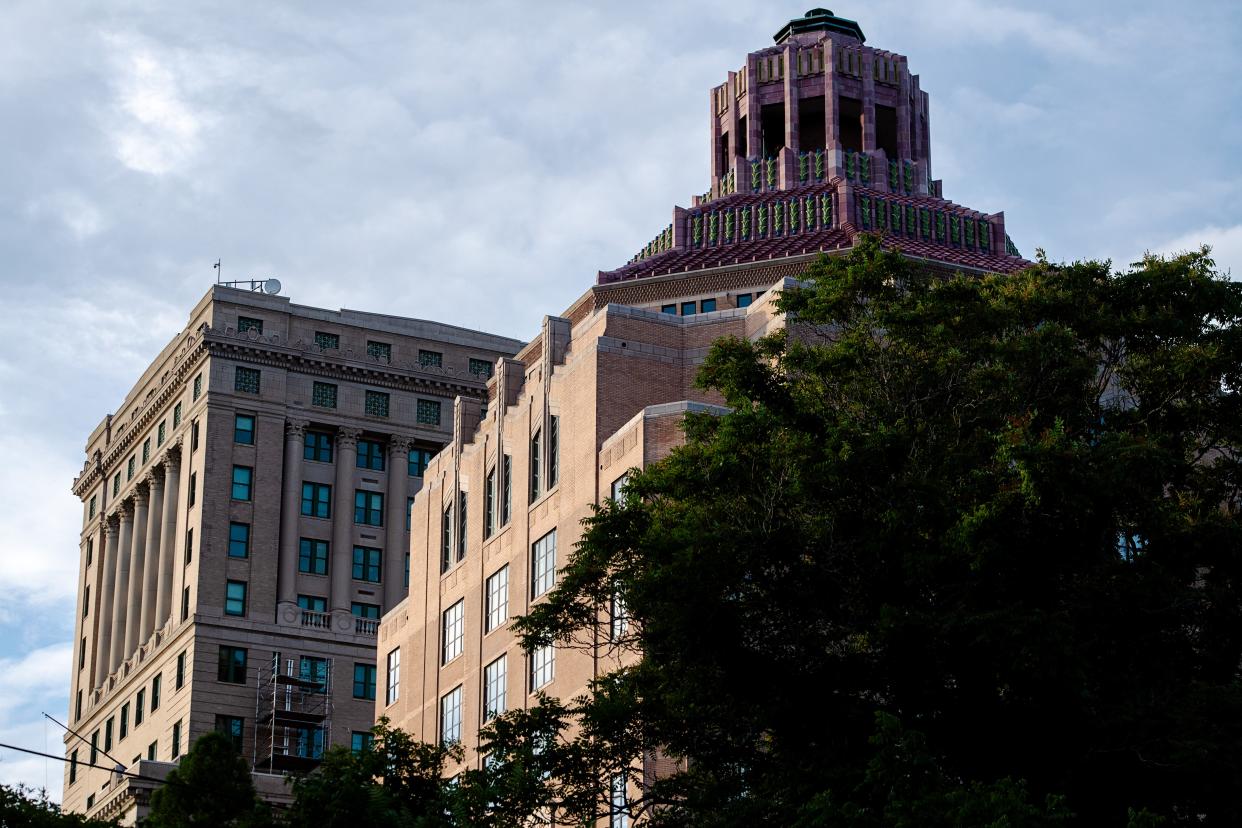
{"type": "Point", "coordinates": [453, 632]}
{"type": "Point", "coordinates": [176, 415]}
{"type": "Point", "coordinates": [90, 542]}
{"type": "Point", "coordinates": [543, 564]}
{"type": "Point", "coordinates": [446, 539]}
{"type": "Point", "coordinates": [189, 545]}
{"type": "Point", "coordinates": [707, 306]}
{"type": "Point", "coordinates": [744, 300]}
{"type": "Point", "coordinates": [94, 747]}
{"type": "Point", "coordinates": [180, 675]}
{"type": "Point", "coordinates": [370, 455]}
{"type": "Point", "coordinates": [193, 495]}
{"type": "Point", "coordinates": [73, 767]}
{"type": "Point", "coordinates": [327, 341]}
{"type": "Point", "coordinates": [618, 615]}
{"type": "Point", "coordinates": [368, 508]}
{"type": "Point", "coordinates": [536, 461]}
{"type": "Point", "coordinates": [367, 564]}
{"type": "Point", "coordinates": [90, 513]}
{"type": "Point", "coordinates": [243, 429]}
{"type": "Point", "coordinates": [317, 446]}
{"type": "Point", "coordinates": [82, 653]}
{"type": "Point", "coordinates": [620, 808]}
{"type": "Point", "coordinates": [506, 491]}
{"type": "Point", "coordinates": [129, 468]}
{"type": "Point", "coordinates": [376, 404]}
{"type": "Point", "coordinates": [368, 611]}
{"type": "Point", "coordinates": [175, 750]}
{"type": "Point", "coordinates": [139, 701]}
{"type": "Point", "coordinates": [392, 691]}
{"type": "Point", "coordinates": [232, 727]}
{"type": "Point", "coordinates": [687, 308]}
{"type": "Point", "coordinates": [427, 412]}
{"type": "Point", "coordinates": [542, 666]}
{"type": "Point", "coordinates": [314, 609]}
{"type": "Point", "coordinates": [432, 359]}
{"type": "Point", "coordinates": [313, 556]}
{"type": "Point", "coordinates": [185, 604]}
{"type": "Point", "coordinates": [672, 309]}
{"type": "Point", "coordinates": [239, 540]}
{"type": "Point", "coordinates": [481, 367]}
{"type": "Point", "coordinates": [407, 570]}
{"type": "Point", "coordinates": [317, 500]}
{"type": "Point", "coordinates": [497, 609]}
{"type": "Point", "coordinates": [124, 722]}
{"type": "Point", "coordinates": [232, 665]}
{"type": "Point", "coordinates": [246, 323]}
{"type": "Point", "coordinates": [618, 487]}
{"type": "Point", "coordinates": [450, 716]}
{"type": "Point", "coordinates": [146, 451]}
{"type": "Point", "coordinates": [308, 743]}
{"type": "Point", "coordinates": [494, 689]}
{"type": "Point", "coordinates": [314, 669]}
{"type": "Point", "coordinates": [193, 436]}
{"type": "Point", "coordinates": [246, 380]}
{"type": "Point", "coordinates": [381, 351]}
{"type": "Point", "coordinates": [409, 512]}
{"type": "Point", "coordinates": [161, 433]}
{"type": "Point", "coordinates": [418, 460]}
{"type": "Point", "coordinates": [108, 735]}
{"type": "Point", "coordinates": [323, 395]}
{"type": "Point", "coordinates": [554, 450]}
{"type": "Point", "coordinates": [312, 603]}
{"type": "Point", "coordinates": [116, 484]}
{"type": "Point", "coordinates": [489, 503]}
{"type": "Point", "coordinates": [235, 598]}
{"type": "Point", "coordinates": [155, 691]}
{"type": "Point", "coordinates": [86, 601]}
{"type": "Point", "coordinates": [364, 681]}
{"type": "Point", "coordinates": [151, 750]}
{"type": "Point", "coordinates": [360, 741]}
{"type": "Point", "coordinates": [242, 477]}
{"type": "Point", "coordinates": [461, 526]}
{"type": "Point", "coordinates": [198, 388]}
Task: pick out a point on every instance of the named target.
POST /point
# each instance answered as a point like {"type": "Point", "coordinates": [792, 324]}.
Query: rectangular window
{"type": "Point", "coordinates": [670, 309]}
{"type": "Point", "coordinates": [94, 747]}
{"type": "Point", "coordinates": [367, 564]}
{"type": "Point", "coordinates": [554, 450]}
{"type": "Point", "coordinates": [313, 556]}
{"type": "Point", "coordinates": [246, 380]}
{"type": "Point", "coordinates": [239, 540]}
{"type": "Point", "coordinates": [418, 460]}
{"type": "Point", "coordinates": [317, 500]}
{"type": "Point", "coordinates": [392, 690]}
{"type": "Point", "coordinates": [124, 722]}
{"type": "Point", "coordinates": [90, 513]}
{"type": "Point", "coordinates": [90, 542]}
{"type": "Point", "coordinates": [235, 598]}
{"type": "Point", "coordinates": [176, 415]}
{"type": "Point", "coordinates": [246, 323]}
{"type": "Point", "coordinates": [193, 436]}
{"type": "Point", "coordinates": [185, 604]}
{"type": "Point", "coordinates": [189, 546]}
{"type": "Point", "coordinates": [317, 446]}
{"type": "Point", "coordinates": [446, 539]}
{"type": "Point", "coordinates": [323, 395]}
{"type": "Point", "coordinates": [687, 308]}
{"type": "Point", "coordinates": [620, 817]}
{"type": "Point", "coordinates": [453, 632]}
{"type": "Point", "coordinates": [139, 703]}
{"type": "Point", "coordinates": [542, 666]}
{"type": "Point", "coordinates": [312, 603]}
{"type": "Point", "coordinates": [489, 503]}
{"type": "Point", "coordinates": [506, 491]}
{"type": "Point", "coordinates": [116, 484]}
{"type": "Point", "coordinates": [175, 750]}
{"type": "Point", "coordinates": [193, 495]}
{"type": "Point", "coordinates": [130, 466]}
{"type": "Point", "coordinates": [198, 388]}
{"type": "Point", "coordinates": [364, 681]}
{"type": "Point", "coordinates": [368, 611]}
{"type": "Point", "coordinates": [155, 691]}
{"type": "Point", "coordinates": [427, 412]}
{"type": "Point", "coordinates": [151, 750]}
{"type": "Point", "coordinates": [243, 476]}
{"type": "Point", "coordinates": [232, 727]}
{"type": "Point", "coordinates": [380, 351]}
{"type": "Point", "coordinates": [618, 487]}
{"type": "Point", "coordinates": [431, 359]}
{"type": "Point", "coordinates": [308, 743]}
{"type": "Point", "coordinates": [370, 455]}
{"type": "Point", "coordinates": [327, 341]}
{"type": "Point", "coordinates": [360, 741]}
{"type": "Point", "coordinates": [707, 306]}
{"type": "Point", "coordinates": [243, 429]}
{"type": "Point", "coordinates": [232, 665]}
{"type": "Point", "coordinates": [314, 609]}
{"type": "Point", "coordinates": [536, 464]}
{"type": "Point", "coordinates": [450, 717]}
{"type": "Point", "coordinates": [481, 368]}
{"type": "Point", "coordinates": [314, 669]}
{"type": "Point", "coordinates": [73, 767]}
{"type": "Point", "coordinates": [161, 433]}
{"type": "Point", "coordinates": [409, 512]}
{"type": "Point", "coordinates": [86, 601]}
{"type": "Point", "coordinates": [376, 404]}
{"type": "Point", "coordinates": [494, 702]}
{"type": "Point", "coordinates": [543, 564]}
{"type": "Point", "coordinates": [180, 674]}
{"type": "Point", "coordinates": [619, 617]}
{"type": "Point", "coordinates": [368, 508]}
{"type": "Point", "coordinates": [461, 526]}
{"type": "Point", "coordinates": [82, 653]}
{"type": "Point", "coordinates": [146, 451]}
{"type": "Point", "coordinates": [497, 598]}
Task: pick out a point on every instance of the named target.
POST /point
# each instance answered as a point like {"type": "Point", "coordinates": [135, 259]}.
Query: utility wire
{"type": "Point", "coordinates": [84, 741]}
{"type": "Point", "coordinates": [120, 771]}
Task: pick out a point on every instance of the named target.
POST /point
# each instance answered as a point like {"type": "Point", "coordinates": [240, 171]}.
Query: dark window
{"type": "Point", "coordinates": [418, 460]}
{"type": "Point", "coordinates": [239, 540]}
{"type": "Point", "coordinates": [368, 611]}
{"type": "Point", "coordinates": [744, 300]}
{"type": "Point", "coordinates": [151, 749]}
{"type": "Point", "coordinates": [554, 450]}
{"type": "Point", "coordinates": [116, 484]}
{"type": "Point", "coordinates": [707, 306]}
{"type": "Point", "coordinates": [446, 539]}
{"type": "Point", "coordinates": [323, 394]}
{"type": "Point", "coordinates": [175, 750]}
{"type": "Point", "coordinates": [370, 455]}
{"type": "Point", "coordinates": [409, 512]}
{"type": "Point", "coordinates": [185, 604]}
{"type": "Point", "coordinates": [427, 412]}
{"type": "Point", "coordinates": [461, 525]}
{"type": "Point", "coordinates": [176, 415]}
{"type": "Point", "coordinates": [367, 564]}
{"type": "Point", "coordinates": [193, 436]}
{"type": "Point", "coordinates": [108, 734]}
{"type": "Point", "coordinates": [313, 668]}
{"type": "Point", "coordinates": [124, 722]}
{"type": "Point", "coordinates": [232, 665]}
{"type": "Point", "coordinates": [198, 388]}
{"type": "Point", "coordinates": [246, 323]}
{"type": "Point", "coordinates": [433, 359]}
{"type": "Point", "coordinates": [536, 463]}
{"type": "Point", "coordinates": [376, 404]}
{"type": "Point", "coordinates": [886, 130]}
{"type": "Point", "coordinates": [481, 367]}
{"type": "Point", "coordinates": [235, 598]}
{"type": "Point", "coordinates": [129, 469]}
{"type": "Point", "coordinates": [313, 556]}
{"type": "Point", "coordinates": [368, 508]}
{"type": "Point", "coordinates": [86, 601]}
{"type": "Point", "coordinates": [160, 434]}
{"type": "Point", "coordinates": [232, 727]}
{"type": "Point", "coordinates": [94, 747]}
{"type": "Point", "coordinates": [360, 742]}
{"type": "Point", "coordinates": [146, 451]}
{"type": "Point", "coordinates": [242, 478]}
{"type": "Point", "coordinates": [687, 308]}
{"type": "Point", "coordinates": [317, 500]}
{"type": "Point", "coordinates": [669, 309]}
{"type": "Point", "coordinates": [73, 767]}
{"type": "Point", "coordinates": [77, 710]}
{"type": "Point", "coordinates": [811, 124]}
{"type": "Point", "coordinates": [364, 681]}
{"type": "Point", "coordinates": [155, 691]}
{"type": "Point", "coordinates": [849, 123]}
{"type": "Point", "coordinates": [179, 681]}
{"type": "Point", "coordinates": [189, 545]}
{"type": "Point", "coordinates": [243, 429]}
{"type": "Point", "coordinates": [317, 446]}
{"type": "Point", "coordinates": [327, 341]}
{"type": "Point", "coordinates": [246, 380]}
{"type": "Point", "coordinates": [381, 351]}
{"type": "Point", "coordinates": [506, 492]}
{"type": "Point", "coordinates": [139, 703]}
{"type": "Point", "coordinates": [489, 503]}
{"type": "Point", "coordinates": [82, 653]}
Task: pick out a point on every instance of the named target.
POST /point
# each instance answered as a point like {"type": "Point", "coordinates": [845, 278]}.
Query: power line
{"type": "Point", "coordinates": [120, 771]}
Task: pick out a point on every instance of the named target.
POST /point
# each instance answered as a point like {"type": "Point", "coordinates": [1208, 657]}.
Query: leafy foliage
{"type": "Point", "coordinates": [21, 807]}
{"type": "Point", "coordinates": [211, 786]}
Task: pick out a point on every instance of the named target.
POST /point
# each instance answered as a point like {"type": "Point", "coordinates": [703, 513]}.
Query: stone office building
{"type": "Point", "coordinates": [814, 140]}
{"type": "Point", "coordinates": [244, 526]}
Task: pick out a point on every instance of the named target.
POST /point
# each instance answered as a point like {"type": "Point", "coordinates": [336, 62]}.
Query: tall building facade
{"type": "Point", "coordinates": [244, 526]}
{"type": "Point", "coordinates": [815, 140]}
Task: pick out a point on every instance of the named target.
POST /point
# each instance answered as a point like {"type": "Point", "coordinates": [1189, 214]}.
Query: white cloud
{"type": "Point", "coordinates": [30, 685]}
{"type": "Point", "coordinates": [981, 21]}
{"type": "Point", "coordinates": [74, 210]}
{"type": "Point", "coordinates": [1226, 244]}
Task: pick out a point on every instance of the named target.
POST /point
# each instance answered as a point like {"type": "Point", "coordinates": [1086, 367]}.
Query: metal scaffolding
{"type": "Point", "coordinates": [293, 714]}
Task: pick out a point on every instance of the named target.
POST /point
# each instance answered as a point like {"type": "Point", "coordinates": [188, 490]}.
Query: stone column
{"type": "Point", "coordinates": [151, 566]}
{"type": "Point", "coordinates": [168, 532]}
{"type": "Point", "coordinates": [290, 516]}
{"type": "Point", "coordinates": [103, 634]}
{"type": "Point", "coordinates": [137, 560]}
{"type": "Point", "coordinates": [395, 543]}
{"type": "Point", "coordinates": [342, 554]}
{"type": "Point", "coordinates": [116, 643]}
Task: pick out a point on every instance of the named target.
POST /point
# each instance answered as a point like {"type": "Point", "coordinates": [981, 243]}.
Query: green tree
{"type": "Point", "coordinates": [211, 786]}
{"type": "Point", "coordinates": [965, 552]}
{"type": "Point", "coordinates": [21, 807]}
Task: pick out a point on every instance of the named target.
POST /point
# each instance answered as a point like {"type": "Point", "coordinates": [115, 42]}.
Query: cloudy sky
{"type": "Point", "coordinates": [477, 163]}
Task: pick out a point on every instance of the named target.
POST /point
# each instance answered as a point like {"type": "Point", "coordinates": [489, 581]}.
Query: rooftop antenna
{"type": "Point", "coordinates": [269, 286]}
{"type": "Point", "coordinates": [219, 270]}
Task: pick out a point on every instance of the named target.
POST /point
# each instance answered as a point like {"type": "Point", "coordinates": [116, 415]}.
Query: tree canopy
{"type": "Point", "coordinates": [211, 786]}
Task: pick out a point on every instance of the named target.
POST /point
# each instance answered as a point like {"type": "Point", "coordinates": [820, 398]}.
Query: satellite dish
{"type": "Point", "coordinates": [271, 286]}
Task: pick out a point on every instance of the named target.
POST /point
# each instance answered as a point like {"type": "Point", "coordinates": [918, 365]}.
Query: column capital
{"type": "Point", "coordinates": [111, 525]}
{"type": "Point", "coordinates": [347, 437]}
{"type": "Point", "coordinates": [295, 429]}
{"type": "Point", "coordinates": [153, 479]}
{"type": "Point", "coordinates": [125, 510]}
{"type": "Point", "coordinates": [399, 445]}
{"type": "Point", "coordinates": [172, 454]}
{"type": "Point", "coordinates": [142, 495]}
